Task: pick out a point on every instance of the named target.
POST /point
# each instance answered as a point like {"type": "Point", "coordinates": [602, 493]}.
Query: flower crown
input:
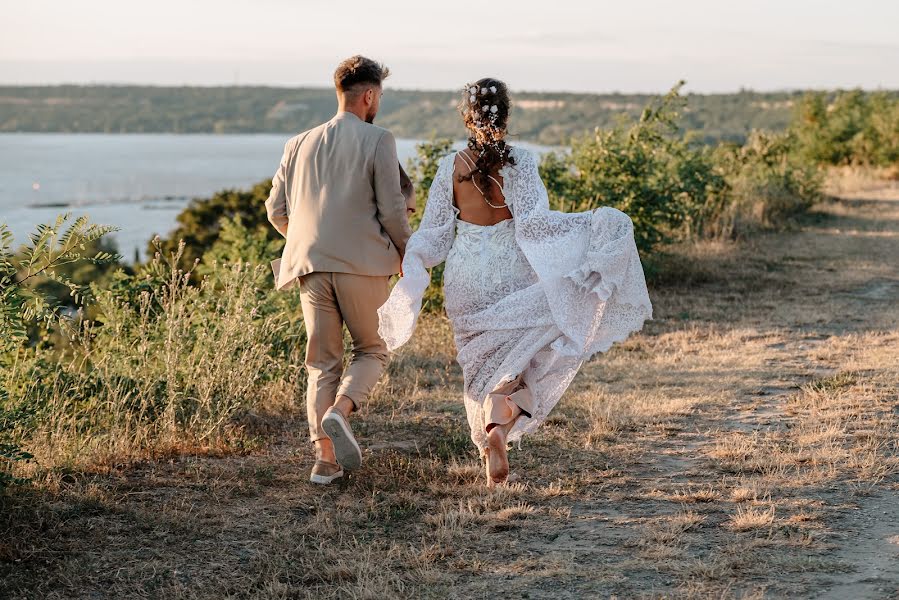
{"type": "Point", "coordinates": [474, 102]}
{"type": "Point", "coordinates": [484, 115]}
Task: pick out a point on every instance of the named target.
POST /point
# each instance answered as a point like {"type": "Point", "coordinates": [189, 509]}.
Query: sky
{"type": "Point", "coordinates": [548, 45]}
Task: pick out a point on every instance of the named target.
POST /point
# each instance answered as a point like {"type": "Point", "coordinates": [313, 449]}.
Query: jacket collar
{"type": "Point", "coordinates": [343, 114]}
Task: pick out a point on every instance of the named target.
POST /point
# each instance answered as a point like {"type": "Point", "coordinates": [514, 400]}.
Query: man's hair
{"type": "Point", "coordinates": [356, 72]}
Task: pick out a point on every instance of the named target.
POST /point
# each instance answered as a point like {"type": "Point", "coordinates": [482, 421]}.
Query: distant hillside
{"type": "Point", "coordinates": [548, 118]}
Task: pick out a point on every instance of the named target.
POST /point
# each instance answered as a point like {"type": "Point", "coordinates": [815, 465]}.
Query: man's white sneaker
{"type": "Point", "coordinates": [345, 447]}
{"type": "Point", "coordinates": [324, 472]}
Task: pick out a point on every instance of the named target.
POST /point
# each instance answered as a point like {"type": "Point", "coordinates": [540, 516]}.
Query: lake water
{"type": "Point", "coordinates": [136, 182]}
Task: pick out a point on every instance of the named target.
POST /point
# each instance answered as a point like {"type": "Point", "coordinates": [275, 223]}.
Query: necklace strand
{"type": "Point", "coordinates": [477, 187]}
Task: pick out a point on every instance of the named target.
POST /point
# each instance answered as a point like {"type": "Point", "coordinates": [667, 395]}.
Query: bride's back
{"type": "Point", "coordinates": [472, 205]}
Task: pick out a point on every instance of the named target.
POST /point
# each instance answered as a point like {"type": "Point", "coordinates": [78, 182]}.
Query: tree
{"type": "Point", "coordinates": [199, 225]}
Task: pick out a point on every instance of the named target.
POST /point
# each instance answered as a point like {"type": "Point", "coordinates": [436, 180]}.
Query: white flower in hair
{"type": "Point", "coordinates": [484, 108]}
{"type": "Point", "coordinates": [483, 91]}
{"type": "Point", "coordinates": [473, 90]}
{"type": "Point", "coordinates": [493, 88]}
{"type": "Point", "coordinates": [472, 99]}
{"type": "Point", "coordinates": [493, 108]}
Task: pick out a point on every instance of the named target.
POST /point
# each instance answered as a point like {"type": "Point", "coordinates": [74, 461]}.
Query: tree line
{"type": "Point", "coordinates": [547, 118]}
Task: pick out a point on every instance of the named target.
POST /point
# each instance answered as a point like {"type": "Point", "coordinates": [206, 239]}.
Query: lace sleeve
{"type": "Point", "coordinates": [428, 247]}
{"type": "Point", "coordinates": [528, 194]}
{"type": "Point", "coordinates": [587, 262]}
{"type": "Point", "coordinates": [550, 239]}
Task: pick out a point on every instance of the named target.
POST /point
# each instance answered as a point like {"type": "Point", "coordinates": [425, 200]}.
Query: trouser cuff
{"type": "Point", "coordinates": [501, 408]}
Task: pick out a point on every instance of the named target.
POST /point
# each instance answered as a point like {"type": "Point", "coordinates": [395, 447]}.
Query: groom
{"type": "Point", "coordinates": [341, 201]}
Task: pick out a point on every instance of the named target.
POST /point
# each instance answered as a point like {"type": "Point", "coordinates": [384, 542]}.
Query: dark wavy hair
{"type": "Point", "coordinates": [486, 128]}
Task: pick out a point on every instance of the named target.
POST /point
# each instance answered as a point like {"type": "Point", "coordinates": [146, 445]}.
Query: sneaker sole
{"type": "Point", "coordinates": [349, 456]}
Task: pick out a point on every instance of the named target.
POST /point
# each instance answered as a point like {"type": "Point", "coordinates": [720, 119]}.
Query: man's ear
{"type": "Point", "coordinates": [370, 96]}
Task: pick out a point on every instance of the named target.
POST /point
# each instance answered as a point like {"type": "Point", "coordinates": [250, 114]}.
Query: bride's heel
{"type": "Point", "coordinates": [502, 408]}
{"type": "Point", "coordinates": [496, 459]}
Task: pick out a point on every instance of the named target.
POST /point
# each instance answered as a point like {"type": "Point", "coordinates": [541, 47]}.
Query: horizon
{"type": "Point", "coordinates": [577, 48]}
{"type": "Point", "coordinates": [685, 90]}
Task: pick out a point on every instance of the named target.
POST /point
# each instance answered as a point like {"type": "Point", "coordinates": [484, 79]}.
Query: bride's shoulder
{"type": "Point", "coordinates": [523, 157]}
{"type": "Point", "coordinates": [447, 160]}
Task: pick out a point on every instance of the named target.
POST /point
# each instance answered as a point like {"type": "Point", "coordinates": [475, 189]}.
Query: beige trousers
{"type": "Point", "coordinates": [329, 301]}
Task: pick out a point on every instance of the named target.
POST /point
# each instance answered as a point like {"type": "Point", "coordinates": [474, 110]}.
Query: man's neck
{"type": "Point", "coordinates": [353, 110]}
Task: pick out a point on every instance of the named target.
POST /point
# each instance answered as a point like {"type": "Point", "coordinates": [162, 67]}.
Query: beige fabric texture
{"type": "Point", "coordinates": [338, 199]}
{"type": "Point", "coordinates": [330, 300]}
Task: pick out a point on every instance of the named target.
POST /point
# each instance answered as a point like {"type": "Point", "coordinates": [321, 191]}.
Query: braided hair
{"type": "Point", "coordinates": [485, 111]}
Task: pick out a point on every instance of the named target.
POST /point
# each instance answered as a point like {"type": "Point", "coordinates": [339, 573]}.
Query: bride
{"type": "Point", "coordinates": [531, 293]}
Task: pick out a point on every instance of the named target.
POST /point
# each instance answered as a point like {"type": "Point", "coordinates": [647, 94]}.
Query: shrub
{"type": "Point", "coordinates": [179, 363]}
{"type": "Point", "coordinates": [668, 186]}
{"type": "Point", "coordinates": [26, 309]}
{"type": "Point", "coordinates": [854, 128]}
{"type": "Point", "coordinates": [769, 183]}
{"type": "Point", "coordinates": [164, 363]}
{"type": "Point", "coordinates": [51, 250]}
{"type": "Point", "coordinates": [199, 225]}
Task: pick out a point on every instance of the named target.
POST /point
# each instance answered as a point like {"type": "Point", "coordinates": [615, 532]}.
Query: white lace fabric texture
{"type": "Point", "coordinates": [539, 293]}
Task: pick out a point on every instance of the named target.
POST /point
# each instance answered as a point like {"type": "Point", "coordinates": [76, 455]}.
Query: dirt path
{"type": "Point", "coordinates": [743, 446]}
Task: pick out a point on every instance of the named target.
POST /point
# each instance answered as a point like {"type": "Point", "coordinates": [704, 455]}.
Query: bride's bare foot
{"type": "Point", "coordinates": [497, 457]}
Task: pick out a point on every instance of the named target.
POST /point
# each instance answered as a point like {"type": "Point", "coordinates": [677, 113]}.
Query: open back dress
{"type": "Point", "coordinates": [534, 296]}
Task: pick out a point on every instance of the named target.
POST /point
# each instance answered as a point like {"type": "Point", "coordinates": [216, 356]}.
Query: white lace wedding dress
{"type": "Point", "coordinates": [539, 293]}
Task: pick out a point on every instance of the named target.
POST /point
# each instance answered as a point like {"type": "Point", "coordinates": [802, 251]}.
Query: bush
{"type": "Point", "coordinates": [29, 312]}
{"type": "Point", "coordinates": [769, 183]}
{"type": "Point", "coordinates": [180, 362]}
{"type": "Point", "coordinates": [854, 129]}
{"type": "Point", "coordinates": [668, 186]}
{"type": "Point", "coordinates": [49, 258]}
{"type": "Point", "coordinates": [673, 189]}
{"type": "Point", "coordinates": [199, 225]}
{"type": "Point", "coordinates": [164, 363]}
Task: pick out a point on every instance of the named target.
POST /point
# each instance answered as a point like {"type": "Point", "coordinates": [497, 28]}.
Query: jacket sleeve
{"type": "Point", "coordinates": [276, 205]}
{"type": "Point", "coordinates": [389, 197]}
{"type": "Point", "coordinates": [428, 247]}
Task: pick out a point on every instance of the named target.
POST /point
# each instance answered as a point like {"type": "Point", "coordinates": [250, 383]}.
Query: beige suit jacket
{"type": "Point", "coordinates": [338, 199]}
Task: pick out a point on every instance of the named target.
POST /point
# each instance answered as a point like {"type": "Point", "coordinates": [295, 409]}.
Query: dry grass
{"type": "Point", "coordinates": [841, 181]}
{"type": "Point", "coordinates": [747, 519]}
{"type": "Point", "coordinates": [742, 446]}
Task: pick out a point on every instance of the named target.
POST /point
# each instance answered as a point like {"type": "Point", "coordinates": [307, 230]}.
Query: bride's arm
{"type": "Point", "coordinates": [528, 200]}
{"type": "Point", "coordinates": [434, 236]}
{"type": "Point", "coordinates": [428, 247]}
{"type": "Point", "coordinates": [527, 191]}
